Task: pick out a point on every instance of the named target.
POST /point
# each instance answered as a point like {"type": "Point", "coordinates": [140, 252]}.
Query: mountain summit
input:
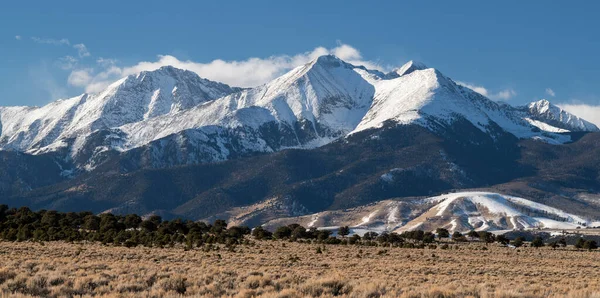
{"type": "Point", "coordinates": [135, 98]}
{"type": "Point", "coordinates": [172, 114]}
{"type": "Point", "coordinates": [409, 67]}
{"type": "Point", "coordinates": [546, 112]}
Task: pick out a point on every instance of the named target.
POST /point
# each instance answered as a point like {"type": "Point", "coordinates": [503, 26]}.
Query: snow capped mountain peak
{"type": "Point", "coordinates": [540, 106]}
{"type": "Point", "coordinates": [408, 68]}
{"type": "Point", "coordinates": [543, 110]}
{"type": "Point", "coordinates": [131, 99]}
{"type": "Point", "coordinates": [329, 61]}
{"type": "Point", "coordinates": [428, 98]}
{"type": "Point", "coordinates": [311, 105]}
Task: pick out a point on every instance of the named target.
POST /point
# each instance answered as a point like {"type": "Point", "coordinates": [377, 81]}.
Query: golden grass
{"type": "Point", "coordinates": [285, 269]}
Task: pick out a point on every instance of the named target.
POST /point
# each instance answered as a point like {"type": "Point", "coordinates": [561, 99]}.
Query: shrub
{"type": "Point", "coordinates": [580, 242]}
{"type": "Point", "coordinates": [333, 287]}
{"type": "Point", "coordinates": [176, 284]}
{"type": "Point", "coordinates": [354, 239]}
{"type": "Point", "coordinates": [518, 242]}
{"type": "Point", "coordinates": [129, 243]}
{"type": "Point", "coordinates": [18, 285]}
{"type": "Point", "coordinates": [36, 286]}
{"type": "Point", "coordinates": [442, 233]}
{"type": "Point", "coordinates": [130, 288]}
{"type": "Point", "coordinates": [6, 275]}
{"type": "Point", "coordinates": [590, 244]}
{"type": "Point", "coordinates": [537, 242]}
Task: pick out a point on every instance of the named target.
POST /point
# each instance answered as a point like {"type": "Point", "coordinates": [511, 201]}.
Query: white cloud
{"type": "Point", "coordinates": [550, 92]}
{"type": "Point", "coordinates": [52, 41]}
{"type": "Point", "coordinates": [505, 94]}
{"type": "Point", "coordinates": [590, 113]}
{"type": "Point", "coordinates": [246, 73]}
{"type": "Point", "coordinates": [80, 78]}
{"type": "Point", "coordinates": [43, 79]}
{"type": "Point", "coordinates": [106, 62]}
{"type": "Point", "coordinates": [479, 89]}
{"type": "Point", "coordinates": [18, 37]}
{"type": "Point", "coordinates": [82, 50]}
{"type": "Point", "coordinates": [67, 62]}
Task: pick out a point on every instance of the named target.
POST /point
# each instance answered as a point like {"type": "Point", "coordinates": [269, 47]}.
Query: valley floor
{"type": "Point", "coordinates": [288, 269]}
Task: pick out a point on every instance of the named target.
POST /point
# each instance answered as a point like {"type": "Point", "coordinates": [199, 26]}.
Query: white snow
{"type": "Point", "coordinates": [315, 217]}
{"type": "Point", "coordinates": [544, 110]}
{"type": "Point", "coordinates": [366, 219]}
{"type": "Point", "coordinates": [502, 206]}
{"type": "Point", "coordinates": [331, 97]}
{"type": "Point", "coordinates": [545, 126]}
{"type": "Point", "coordinates": [132, 99]}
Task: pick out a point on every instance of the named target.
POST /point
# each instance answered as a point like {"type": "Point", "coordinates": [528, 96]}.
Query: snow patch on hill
{"type": "Point", "coordinates": [461, 211]}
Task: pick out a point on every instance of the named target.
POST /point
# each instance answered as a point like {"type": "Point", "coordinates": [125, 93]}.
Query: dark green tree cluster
{"type": "Point", "coordinates": [419, 235]}
{"type": "Point", "coordinates": [131, 230]}
{"type": "Point", "coordinates": [23, 224]}
{"type": "Point", "coordinates": [297, 232]}
{"type": "Point", "coordinates": [586, 244]}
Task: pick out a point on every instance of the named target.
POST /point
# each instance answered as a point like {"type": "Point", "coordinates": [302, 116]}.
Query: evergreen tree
{"type": "Point", "coordinates": [132, 221]}
{"type": "Point", "coordinates": [502, 239]}
{"type": "Point", "coordinates": [442, 233]}
{"type": "Point", "coordinates": [344, 231]}
{"type": "Point", "coordinates": [517, 242]}
{"type": "Point", "coordinates": [298, 232]}
{"type": "Point", "coordinates": [473, 234]}
{"type": "Point", "coordinates": [219, 226]}
{"type": "Point", "coordinates": [91, 223]}
{"type": "Point", "coordinates": [155, 219]}
{"type": "Point", "coordinates": [370, 236]}
{"type": "Point", "coordinates": [579, 244]}
{"type": "Point", "coordinates": [590, 244]}
{"type": "Point", "coordinates": [562, 242]}
{"type": "Point", "coordinates": [260, 233]}
{"type": "Point", "coordinates": [537, 242]}
{"type": "Point", "coordinates": [283, 232]}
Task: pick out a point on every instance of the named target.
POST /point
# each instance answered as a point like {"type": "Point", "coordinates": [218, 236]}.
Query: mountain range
{"type": "Point", "coordinates": [325, 136]}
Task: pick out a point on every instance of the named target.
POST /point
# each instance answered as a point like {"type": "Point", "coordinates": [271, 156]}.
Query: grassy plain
{"type": "Point", "coordinates": [288, 269]}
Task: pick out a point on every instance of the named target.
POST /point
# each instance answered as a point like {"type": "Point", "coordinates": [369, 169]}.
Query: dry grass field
{"type": "Point", "coordinates": [287, 269]}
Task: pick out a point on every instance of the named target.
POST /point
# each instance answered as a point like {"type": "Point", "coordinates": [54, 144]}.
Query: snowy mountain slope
{"type": "Point", "coordinates": [491, 211]}
{"type": "Point", "coordinates": [544, 111]}
{"type": "Point", "coordinates": [426, 97]}
{"type": "Point", "coordinates": [329, 98]}
{"type": "Point", "coordinates": [137, 97]}
{"type": "Point", "coordinates": [327, 95]}
{"type": "Point", "coordinates": [174, 117]}
{"type": "Point", "coordinates": [461, 211]}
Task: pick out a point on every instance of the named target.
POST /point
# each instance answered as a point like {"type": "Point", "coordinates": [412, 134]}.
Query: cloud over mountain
{"type": "Point", "coordinates": [244, 73]}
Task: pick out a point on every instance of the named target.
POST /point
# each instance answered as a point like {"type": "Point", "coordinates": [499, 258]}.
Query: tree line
{"type": "Point", "coordinates": [131, 230]}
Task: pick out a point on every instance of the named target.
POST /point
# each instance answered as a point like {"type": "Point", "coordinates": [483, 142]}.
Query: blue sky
{"type": "Point", "coordinates": [518, 51]}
